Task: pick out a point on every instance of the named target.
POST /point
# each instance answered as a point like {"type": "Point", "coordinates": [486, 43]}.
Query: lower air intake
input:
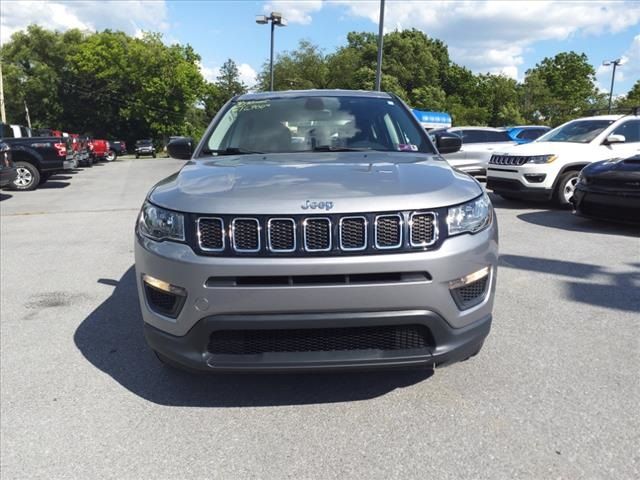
{"type": "Point", "coordinates": [255, 342]}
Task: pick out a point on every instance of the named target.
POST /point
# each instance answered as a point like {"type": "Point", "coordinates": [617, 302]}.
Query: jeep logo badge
{"type": "Point", "coordinates": [317, 205]}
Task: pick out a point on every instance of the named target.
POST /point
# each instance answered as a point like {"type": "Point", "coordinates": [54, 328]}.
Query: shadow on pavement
{"type": "Point", "coordinates": [5, 196]}
{"type": "Point", "coordinates": [111, 339]}
{"type": "Point", "coordinates": [517, 204]}
{"type": "Point", "coordinates": [53, 184]}
{"type": "Point", "coordinates": [620, 290]}
{"type": "Point", "coordinates": [565, 220]}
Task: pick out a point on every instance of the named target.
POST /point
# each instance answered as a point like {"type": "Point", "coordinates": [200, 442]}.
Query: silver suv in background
{"type": "Point", "coordinates": [315, 230]}
{"type": "Point", "coordinates": [478, 144]}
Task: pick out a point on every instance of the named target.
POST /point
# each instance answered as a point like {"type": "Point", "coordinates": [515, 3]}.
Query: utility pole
{"type": "Point", "coordinates": [26, 111]}
{"type": "Point", "coordinates": [380, 41]}
{"type": "Point", "coordinates": [2, 113]}
{"type": "Point", "coordinates": [615, 63]}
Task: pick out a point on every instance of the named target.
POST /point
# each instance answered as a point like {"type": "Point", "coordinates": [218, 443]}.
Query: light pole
{"type": "Point", "coordinates": [615, 63]}
{"type": "Point", "coordinates": [380, 41]}
{"type": "Point", "coordinates": [276, 19]}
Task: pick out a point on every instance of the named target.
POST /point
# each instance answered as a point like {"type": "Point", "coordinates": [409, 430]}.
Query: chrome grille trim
{"type": "Point", "coordinates": [434, 226]}
{"type": "Point", "coordinates": [269, 231]}
{"type": "Point", "coordinates": [508, 160]}
{"type": "Point", "coordinates": [199, 234]}
{"type": "Point", "coordinates": [400, 228]}
{"type": "Point", "coordinates": [305, 226]}
{"type": "Point", "coordinates": [233, 239]}
{"type": "Point", "coordinates": [366, 238]}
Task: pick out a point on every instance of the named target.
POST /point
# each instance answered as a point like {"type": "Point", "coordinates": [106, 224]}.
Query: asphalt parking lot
{"type": "Point", "coordinates": [555, 393]}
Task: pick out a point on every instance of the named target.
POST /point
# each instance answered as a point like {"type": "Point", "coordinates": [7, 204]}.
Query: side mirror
{"type": "Point", "coordinates": [615, 139]}
{"type": "Point", "coordinates": [181, 148]}
{"type": "Point", "coordinates": [448, 142]}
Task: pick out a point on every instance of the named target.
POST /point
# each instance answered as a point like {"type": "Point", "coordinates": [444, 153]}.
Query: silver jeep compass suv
{"type": "Point", "coordinates": [315, 229]}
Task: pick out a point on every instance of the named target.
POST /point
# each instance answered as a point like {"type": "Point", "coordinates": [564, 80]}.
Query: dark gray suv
{"type": "Point", "coordinates": [311, 230]}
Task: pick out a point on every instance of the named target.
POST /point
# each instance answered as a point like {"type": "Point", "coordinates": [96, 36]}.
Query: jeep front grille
{"type": "Point", "coordinates": [245, 234]}
{"type": "Point", "coordinates": [388, 231]}
{"type": "Point", "coordinates": [317, 234]}
{"type": "Point", "coordinates": [508, 160]}
{"type": "Point", "coordinates": [333, 234]}
{"type": "Point", "coordinates": [211, 234]}
{"type": "Point", "coordinates": [353, 233]}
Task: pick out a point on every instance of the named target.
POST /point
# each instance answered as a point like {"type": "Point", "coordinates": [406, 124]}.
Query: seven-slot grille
{"type": "Point", "coordinates": [365, 233]}
{"type": "Point", "coordinates": [508, 160]}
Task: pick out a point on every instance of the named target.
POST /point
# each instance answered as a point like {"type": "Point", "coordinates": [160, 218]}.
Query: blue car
{"type": "Point", "coordinates": [527, 133]}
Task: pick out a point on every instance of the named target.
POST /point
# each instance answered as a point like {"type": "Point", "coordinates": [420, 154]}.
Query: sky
{"type": "Point", "coordinates": [505, 37]}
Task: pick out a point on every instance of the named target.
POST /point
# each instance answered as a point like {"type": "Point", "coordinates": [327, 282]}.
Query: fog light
{"type": "Point", "coordinates": [164, 286]}
{"type": "Point", "coordinates": [467, 279]}
{"type": "Point", "coordinates": [535, 177]}
{"type": "Point", "coordinates": [162, 297]}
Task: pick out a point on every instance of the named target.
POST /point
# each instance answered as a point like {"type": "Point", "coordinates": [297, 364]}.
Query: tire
{"type": "Point", "coordinates": [565, 187]}
{"type": "Point", "coordinates": [111, 156]}
{"type": "Point", "coordinates": [137, 156]}
{"type": "Point", "coordinates": [154, 155]}
{"type": "Point", "coordinates": [44, 177]}
{"type": "Point", "coordinates": [28, 176]}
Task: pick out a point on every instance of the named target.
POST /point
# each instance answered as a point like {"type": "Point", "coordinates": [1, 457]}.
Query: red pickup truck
{"type": "Point", "coordinates": [101, 150]}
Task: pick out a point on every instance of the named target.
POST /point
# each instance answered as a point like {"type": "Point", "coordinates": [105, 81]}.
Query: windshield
{"type": "Point", "coordinates": [307, 124]}
{"type": "Point", "coordinates": [578, 131]}
{"type": "Point", "coordinates": [143, 142]}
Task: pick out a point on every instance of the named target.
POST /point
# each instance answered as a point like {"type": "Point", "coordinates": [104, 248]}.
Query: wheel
{"type": "Point", "coordinates": [111, 156]}
{"type": "Point", "coordinates": [154, 154]}
{"type": "Point", "coordinates": [28, 176]}
{"type": "Point", "coordinates": [44, 177]}
{"type": "Point", "coordinates": [137, 156]}
{"type": "Point", "coordinates": [565, 188]}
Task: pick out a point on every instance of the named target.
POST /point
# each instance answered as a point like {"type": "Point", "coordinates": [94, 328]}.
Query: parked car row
{"type": "Point", "coordinates": [30, 157]}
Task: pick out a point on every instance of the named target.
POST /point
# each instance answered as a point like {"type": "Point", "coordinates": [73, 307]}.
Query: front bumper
{"type": "Point", "coordinates": [451, 345]}
{"type": "Point", "coordinates": [68, 164]}
{"type": "Point", "coordinates": [7, 175]}
{"type": "Point", "coordinates": [212, 306]}
{"type": "Point", "coordinates": [619, 206]}
{"type": "Point", "coordinates": [516, 188]}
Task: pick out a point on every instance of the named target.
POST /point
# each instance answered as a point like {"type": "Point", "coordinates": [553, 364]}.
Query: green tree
{"type": "Point", "coordinates": [631, 99]}
{"type": "Point", "coordinates": [560, 88]}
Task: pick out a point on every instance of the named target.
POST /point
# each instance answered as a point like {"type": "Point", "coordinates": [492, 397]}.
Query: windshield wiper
{"type": "Point", "coordinates": [329, 148]}
{"type": "Point", "coordinates": [230, 151]}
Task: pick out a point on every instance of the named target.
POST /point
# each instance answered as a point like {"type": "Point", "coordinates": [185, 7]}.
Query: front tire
{"type": "Point", "coordinates": [565, 188]}
{"type": "Point", "coordinates": [111, 156]}
{"type": "Point", "coordinates": [28, 176]}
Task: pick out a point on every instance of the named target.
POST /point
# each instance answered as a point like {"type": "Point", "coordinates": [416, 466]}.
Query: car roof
{"type": "Point", "coordinates": [487, 129]}
{"type": "Point", "coordinates": [313, 93]}
{"type": "Point", "coordinates": [602, 117]}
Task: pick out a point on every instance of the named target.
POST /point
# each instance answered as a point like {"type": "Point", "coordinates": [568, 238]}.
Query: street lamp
{"type": "Point", "coordinates": [615, 63]}
{"type": "Point", "coordinates": [276, 19]}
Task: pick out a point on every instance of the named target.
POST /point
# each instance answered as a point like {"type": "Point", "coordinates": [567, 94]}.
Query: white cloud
{"type": "Point", "coordinates": [294, 11]}
{"type": "Point", "coordinates": [248, 74]}
{"type": "Point", "coordinates": [132, 16]}
{"type": "Point", "coordinates": [492, 36]}
{"type": "Point", "coordinates": [210, 74]}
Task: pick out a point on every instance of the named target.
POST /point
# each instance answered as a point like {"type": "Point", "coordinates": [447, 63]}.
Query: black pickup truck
{"type": "Point", "coordinates": [37, 158]}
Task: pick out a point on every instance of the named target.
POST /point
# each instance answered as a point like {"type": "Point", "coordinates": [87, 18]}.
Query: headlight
{"type": "Point", "coordinates": [470, 217]}
{"type": "Point", "coordinates": [160, 224]}
{"type": "Point", "coordinates": [542, 159]}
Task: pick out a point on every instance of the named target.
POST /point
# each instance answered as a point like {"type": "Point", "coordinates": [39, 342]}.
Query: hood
{"type": "Point", "coordinates": [546, 148]}
{"type": "Point", "coordinates": [348, 182]}
{"type": "Point", "coordinates": [620, 169]}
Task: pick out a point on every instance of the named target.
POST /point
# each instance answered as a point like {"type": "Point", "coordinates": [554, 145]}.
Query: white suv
{"type": "Point", "coordinates": [548, 168]}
